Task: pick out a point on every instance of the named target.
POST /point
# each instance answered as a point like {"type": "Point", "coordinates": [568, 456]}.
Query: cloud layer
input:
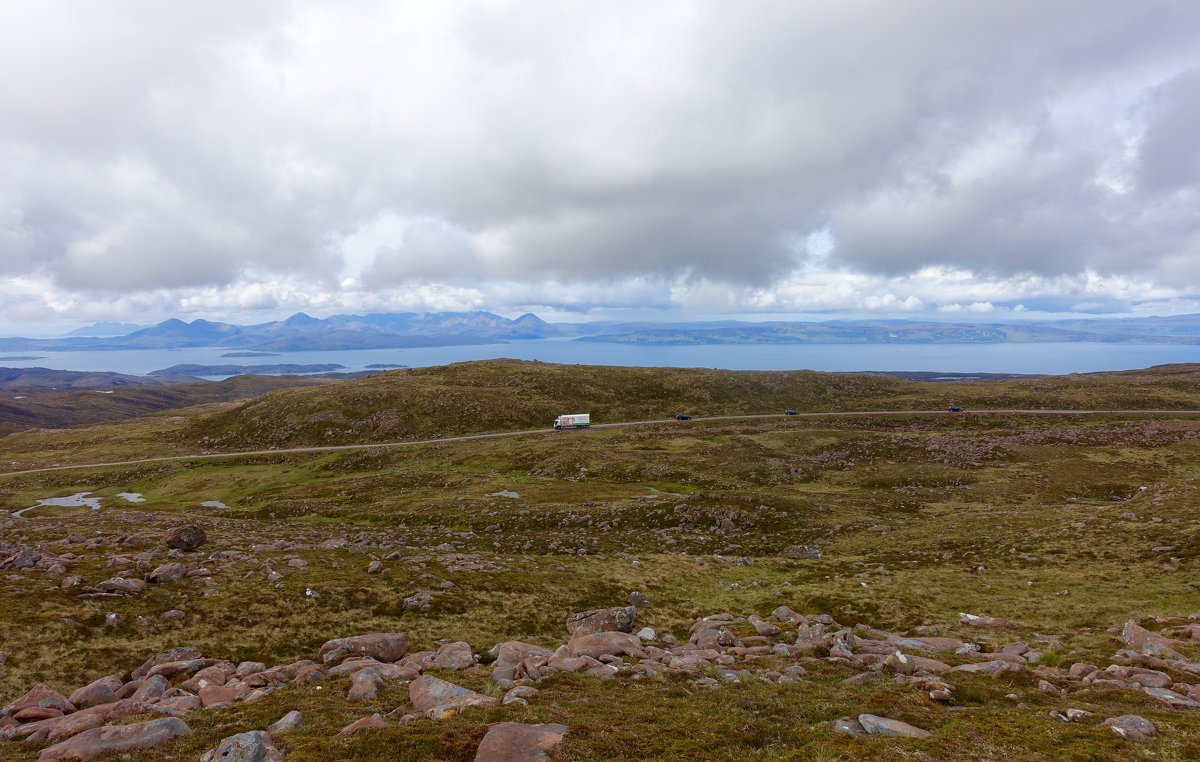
{"type": "Point", "coordinates": [226, 156]}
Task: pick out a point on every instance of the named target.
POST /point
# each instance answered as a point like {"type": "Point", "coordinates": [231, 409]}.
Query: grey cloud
{"type": "Point", "coordinates": [1170, 150]}
{"type": "Point", "coordinates": [189, 144]}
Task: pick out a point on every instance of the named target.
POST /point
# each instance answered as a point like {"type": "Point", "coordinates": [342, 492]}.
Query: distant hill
{"type": "Point", "coordinates": [303, 332]}
{"type": "Point", "coordinates": [46, 409]}
{"type": "Point", "coordinates": [106, 329]}
{"type": "Point", "coordinates": [399, 330]}
{"type": "Point", "coordinates": [243, 370]}
{"type": "Point", "coordinates": [1185, 330]}
{"type": "Point", "coordinates": [41, 379]}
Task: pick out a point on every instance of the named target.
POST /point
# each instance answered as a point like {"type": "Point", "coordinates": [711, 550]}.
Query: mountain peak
{"type": "Point", "coordinates": [301, 318]}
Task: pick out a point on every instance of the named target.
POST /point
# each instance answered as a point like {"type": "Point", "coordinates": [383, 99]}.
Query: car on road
{"type": "Point", "coordinates": [954, 409]}
{"type": "Point", "coordinates": [791, 412]}
{"type": "Point", "coordinates": [682, 417]}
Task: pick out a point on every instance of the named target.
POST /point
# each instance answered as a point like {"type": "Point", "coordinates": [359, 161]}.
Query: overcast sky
{"type": "Point", "coordinates": [243, 160]}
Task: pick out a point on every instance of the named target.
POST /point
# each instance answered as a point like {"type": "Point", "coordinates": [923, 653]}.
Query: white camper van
{"type": "Point", "coordinates": [573, 421]}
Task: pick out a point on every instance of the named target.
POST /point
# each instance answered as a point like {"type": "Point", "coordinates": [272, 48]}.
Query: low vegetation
{"type": "Point", "coordinates": [1066, 525]}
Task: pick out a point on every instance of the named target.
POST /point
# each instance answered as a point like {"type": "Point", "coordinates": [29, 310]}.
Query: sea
{"type": "Point", "coordinates": [951, 359]}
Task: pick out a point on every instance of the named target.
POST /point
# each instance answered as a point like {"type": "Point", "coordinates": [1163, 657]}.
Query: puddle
{"type": "Point", "coordinates": [505, 493]}
{"type": "Point", "coordinates": [78, 500]}
{"type": "Point", "coordinates": [131, 497]}
{"type": "Point", "coordinates": [213, 504]}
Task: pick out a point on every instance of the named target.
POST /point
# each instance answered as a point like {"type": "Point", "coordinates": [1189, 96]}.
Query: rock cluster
{"type": "Point", "coordinates": [719, 649]}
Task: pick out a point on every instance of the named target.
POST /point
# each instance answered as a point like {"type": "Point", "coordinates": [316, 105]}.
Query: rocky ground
{"type": "Point", "coordinates": [792, 589]}
{"type": "Point", "coordinates": [602, 644]}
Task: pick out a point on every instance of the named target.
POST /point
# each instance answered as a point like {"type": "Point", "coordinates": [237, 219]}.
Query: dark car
{"type": "Point", "coordinates": [682, 417]}
{"type": "Point", "coordinates": [955, 409]}
{"type": "Point", "coordinates": [791, 412]}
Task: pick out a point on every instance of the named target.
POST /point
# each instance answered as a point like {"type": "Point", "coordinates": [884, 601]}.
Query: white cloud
{"type": "Point", "coordinates": [230, 158]}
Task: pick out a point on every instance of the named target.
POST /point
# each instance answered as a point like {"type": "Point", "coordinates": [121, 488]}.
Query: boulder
{"type": "Point", "coordinates": [381, 646]}
{"type": "Point", "coordinates": [883, 726]}
{"type": "Point", "coordinates": [1132, 727]}
{"type": "Point", "coordinates": [848, 726]}
{"type": "Point", "coordinates": [366, 723]}
{"type": "Point", "coordinates": [454, 656]}
{"type": "Point", "coordinates": [60, 728]}
{"type": "Point", "coordinates": [802, 552]}
{"type": "Point", "coordinates": [254, 746]}
{"type": "Point", "coordinates": [40, 696]}
{"type": "Point", "coordinates": [218, 695]}
{"type": "Point", "coordinates": [188, 537]}
{"type": "Point", "coordinates": [181, 653]}
{"type": "Point", "coordinates": [121, 586]}
{"type": "Point", "coordinates": [151, 689]}
{"type": "Point", "coordinates": [619, 619]}
{"type": "Point", "coordinates": [364, 685]}
{"type": "Point", "coordinates": [286, 723]}
{"type": "Point", "coordinates": [116, 739]}
{"type": "Point", "coordinates": [605, 644]}
{"type": "Point", "coordinates": [511, 655]}
{"type": "Point", "coordinates": [166, 573]}
{"type": "Point", "coordinates": [518, 742]}
{"type": "Point", "coordinates": [438, 698]}
{"type": "Point", "coordinates": [102, 691]}
{"type": "Point", "coordinates": [522, 694]}
{"type": "Point", "coordinates": [976, 620]}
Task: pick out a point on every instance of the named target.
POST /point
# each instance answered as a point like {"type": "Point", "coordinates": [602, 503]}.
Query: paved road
{"type": "Point", "coordinates": [548, 432]}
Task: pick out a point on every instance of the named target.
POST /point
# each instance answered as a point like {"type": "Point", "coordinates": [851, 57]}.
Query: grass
{"type": "Point", "coordinates": [917, 519]}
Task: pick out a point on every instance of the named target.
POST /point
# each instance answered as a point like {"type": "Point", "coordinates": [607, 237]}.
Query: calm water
{"type": "Point", "coordinates": [963, 358]}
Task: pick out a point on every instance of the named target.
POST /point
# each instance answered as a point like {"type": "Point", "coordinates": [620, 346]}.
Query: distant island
{"type": "Point", "coordinates": [384, 366]}
{"type": "Point", "coordinates": [21, 358]}
{"type": "Point", "coordinates": [242, 370]}
{"type": "Point", "coordinates": [409, 330]}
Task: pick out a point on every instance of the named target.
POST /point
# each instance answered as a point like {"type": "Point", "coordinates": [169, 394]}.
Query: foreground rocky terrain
{"type": "Point", "coordinates": [963, 587]}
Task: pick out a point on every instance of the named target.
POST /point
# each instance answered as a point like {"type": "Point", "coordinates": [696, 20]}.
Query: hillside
{"type": "Point", "coordinates": [506, 395]}
{"type": "Point", "coordinates": [44, 379]}
{"type": "Point", "coordinates": [58, 409]}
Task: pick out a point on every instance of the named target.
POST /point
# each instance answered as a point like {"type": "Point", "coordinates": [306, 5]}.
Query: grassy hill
{"type": "Point", "coordinates": [39, 408]}
{"type": "Point", "coordinates": [503, 395]}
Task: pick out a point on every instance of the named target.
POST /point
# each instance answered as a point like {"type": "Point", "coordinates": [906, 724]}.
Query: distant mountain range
{"type": "Point", "coordinates": [302, 332]}
{"type": "Point", "coordinates": [1182, 329]}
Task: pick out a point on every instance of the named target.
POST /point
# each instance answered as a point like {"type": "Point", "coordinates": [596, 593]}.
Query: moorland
{"type": "Point", "coordinates": [795, 570]}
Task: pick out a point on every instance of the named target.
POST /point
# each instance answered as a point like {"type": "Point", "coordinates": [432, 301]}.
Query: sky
{"type": "Point", "coordinates": [931, 158]}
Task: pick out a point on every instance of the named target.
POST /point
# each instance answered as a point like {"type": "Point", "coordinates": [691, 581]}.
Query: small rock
{"type": "Point", "coordinates": [438, 698]}
{"type": "Point", "coordinates": [522, 694]}
{"type": "Point", "coordinates": [366, 723]}
{"type": "Point", "coordinates": [802, 552]}
{"type": "Point", "coordinates": [877, 725]}
{"type": "Point", "coordinates": [122, 586]}
{"type": "Point", "coordinates": [848, 726]}
{"type": "Point", "coordinates": [638, 600]}
{"type": "Point", "coordinates": [166, 573]}
{"type": "Point", "coordinates": [187, 538]}
{"type": "Point", "coordinates": [254, 746]}
{"type": "Point", "coordinates": [1132, 727]}
{"type": "Point", "coordinates": [286, 723]}
{"type": "Point", "coordinates": [364, 685]}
